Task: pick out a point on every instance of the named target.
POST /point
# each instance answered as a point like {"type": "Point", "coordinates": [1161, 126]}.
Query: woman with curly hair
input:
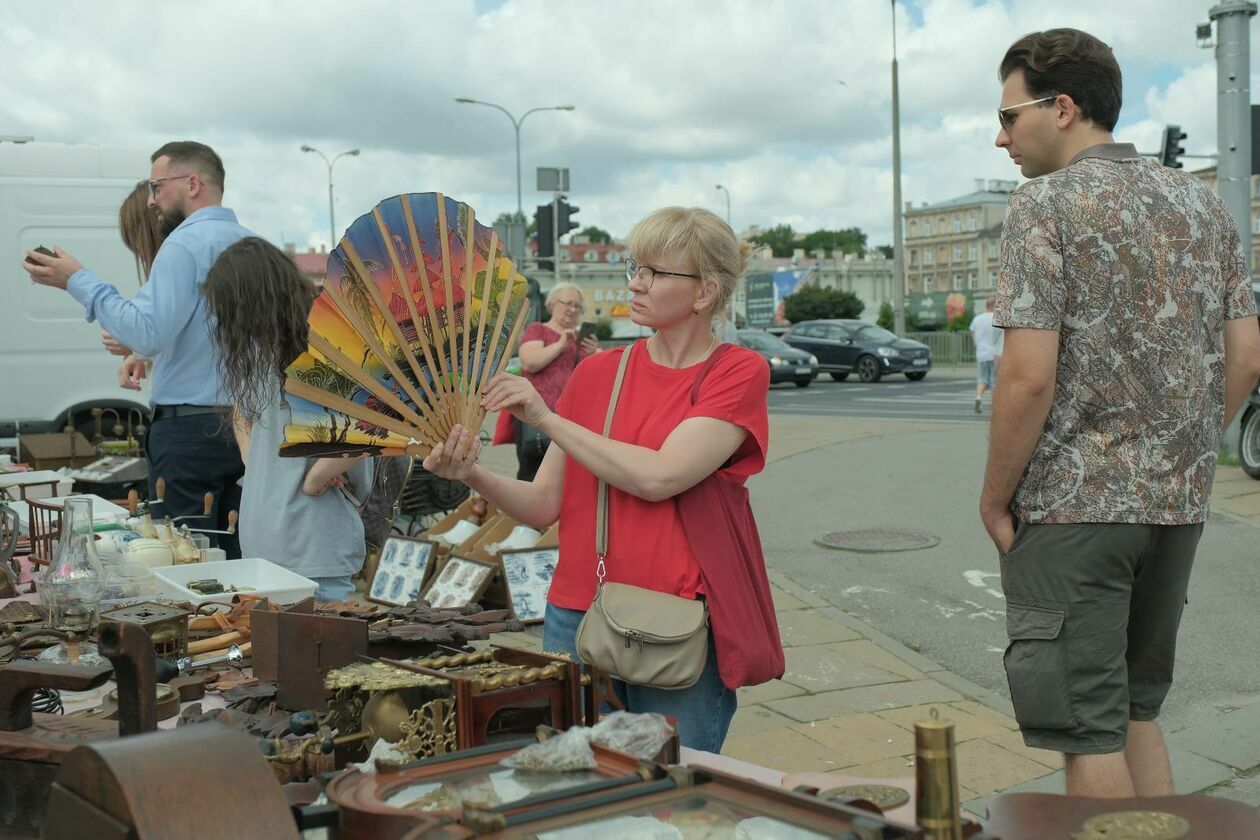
{"type": "Point", "coordinates": [258, 302]}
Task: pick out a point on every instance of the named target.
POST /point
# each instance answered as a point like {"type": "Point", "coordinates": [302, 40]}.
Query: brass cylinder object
{"type": "Point", "coordinates": [937, 809]}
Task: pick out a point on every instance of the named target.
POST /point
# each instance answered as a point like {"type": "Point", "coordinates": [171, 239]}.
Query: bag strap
{"type": "Point", "coordinates": [601, 501]}
{"type": "Point", "coordinates": [708, 366]}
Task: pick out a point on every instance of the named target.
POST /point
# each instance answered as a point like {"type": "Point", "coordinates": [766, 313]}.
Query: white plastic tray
{"type": "Point", "coordinates": [262, 576]}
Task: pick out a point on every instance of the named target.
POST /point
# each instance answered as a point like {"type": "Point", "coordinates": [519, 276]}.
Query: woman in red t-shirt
{"type": "Point", "coordinates": [549, 352]}
{"type": "Point", "coordinates": [685, 267]}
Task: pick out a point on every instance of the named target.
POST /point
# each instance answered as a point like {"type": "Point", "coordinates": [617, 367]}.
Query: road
{"type": "Point", "coordinates": [948, 396]}
{"type": "Point", "coordinates": [946, 601]}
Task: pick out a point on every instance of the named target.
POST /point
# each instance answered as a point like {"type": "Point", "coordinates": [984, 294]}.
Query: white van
{"type": "Point", "coordinates": [52, 364]}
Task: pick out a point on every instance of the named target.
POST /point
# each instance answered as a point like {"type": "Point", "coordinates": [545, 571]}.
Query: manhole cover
{"type": "Point", "coordinates": [878, 540]}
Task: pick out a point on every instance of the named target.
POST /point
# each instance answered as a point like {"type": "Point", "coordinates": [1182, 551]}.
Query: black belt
{"type": "Point", "coordinates": [184, 410]}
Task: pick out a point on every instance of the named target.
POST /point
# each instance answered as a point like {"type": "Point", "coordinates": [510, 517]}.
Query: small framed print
{"type": "Point", "coordinates": [401, 571]}
{"type": "Point", "coordinates": [528, 574]}
{"type": "Point", "coordinates": [461, 581]}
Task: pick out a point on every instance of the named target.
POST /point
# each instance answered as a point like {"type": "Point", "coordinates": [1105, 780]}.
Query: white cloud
{"type": "Point", "coordinates": [672, 97]}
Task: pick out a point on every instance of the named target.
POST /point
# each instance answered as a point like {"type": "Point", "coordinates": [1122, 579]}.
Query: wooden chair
{"type": "Point", "coordinates": [44, 529]}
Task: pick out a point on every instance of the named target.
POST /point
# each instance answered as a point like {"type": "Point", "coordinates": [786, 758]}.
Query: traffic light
{"type": "Point", "coordinates": [565, 215]}
{"type": "Point", "coordinates": [544, 237]}
{"type": "Point", "coordinates": [1171, 148]}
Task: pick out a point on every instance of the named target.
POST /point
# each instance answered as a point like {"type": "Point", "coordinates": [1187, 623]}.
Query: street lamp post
{"type": "Point", "coordinates": [516, 126]}
{"type": "Point", "coordinates": [899, 276]}
{"type": "Point", "coordinates": [332, 220]}
{"type": "Point", "coordinates": [728, 202]}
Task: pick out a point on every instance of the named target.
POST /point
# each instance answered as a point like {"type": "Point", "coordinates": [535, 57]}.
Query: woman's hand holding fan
{"type": "Point", "coordinates": [516, 395]}
{"type": "Point", "coordinates": [455, 458]}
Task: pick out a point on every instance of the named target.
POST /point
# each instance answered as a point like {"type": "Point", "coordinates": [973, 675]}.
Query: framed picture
{"type": "Point", "coordinates": [528, 574]}
{"type": "Point", "coordinates": [401, 571]}
{"type": "Point", "coordinates": [461, 581]}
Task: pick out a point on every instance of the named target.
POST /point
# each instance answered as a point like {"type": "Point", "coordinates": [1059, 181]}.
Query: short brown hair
{"type": "Point", "coordinates": [196, 156]}
{"type": "Point", "coordinates": [1073, 62]}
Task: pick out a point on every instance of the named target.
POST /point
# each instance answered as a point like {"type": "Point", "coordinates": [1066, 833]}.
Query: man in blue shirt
{"type": "Point", "coordinates": [190, 443]}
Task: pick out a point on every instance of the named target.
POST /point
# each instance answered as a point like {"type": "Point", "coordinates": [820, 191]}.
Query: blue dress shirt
{"type": "Point", "coordinates": [166, 321]}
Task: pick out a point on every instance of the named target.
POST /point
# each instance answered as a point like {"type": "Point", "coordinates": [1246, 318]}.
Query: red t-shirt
{"type": "Point", "coordinates": [549, 382]}
{"type": "Point", "coordinates": [647, 546]}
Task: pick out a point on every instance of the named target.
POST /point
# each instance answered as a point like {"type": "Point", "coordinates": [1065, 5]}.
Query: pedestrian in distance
{"type": "Point", "coordinates": [1130, 341]}
{"type": "Point", "coordinates": [668, 436]}
{"type": "Point", "coordinates": [549, 351]}
{"type": "Point", "coordinates": [141, 231]}
{"type": "Point", "coordinates": [189, 444]}
{"type": "Point", "coordinates": [988, 343]}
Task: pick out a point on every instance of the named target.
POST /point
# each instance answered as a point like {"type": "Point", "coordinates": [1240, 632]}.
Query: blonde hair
{"type": "Point", "coordinates": [562, 287]}
{"type": "Point", "coordinates": [141, 231]}
{"type": "Point", "coordinates": [700, 236]}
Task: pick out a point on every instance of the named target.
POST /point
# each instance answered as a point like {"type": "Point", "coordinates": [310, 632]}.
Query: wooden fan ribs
{"type": "Point", "coordinates": [437, 349]}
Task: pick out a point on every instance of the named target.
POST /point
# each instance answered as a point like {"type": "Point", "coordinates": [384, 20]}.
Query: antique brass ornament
{"type": "Point", "coordinates": [431, 730]}
{"type": "Point", "coordinates": [883, 797]}
{"type": "Point", "coordinates": [1134, 825]}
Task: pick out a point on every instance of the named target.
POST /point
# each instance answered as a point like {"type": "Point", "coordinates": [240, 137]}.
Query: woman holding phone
{"type": "Point", "coordinates": [549, 352]}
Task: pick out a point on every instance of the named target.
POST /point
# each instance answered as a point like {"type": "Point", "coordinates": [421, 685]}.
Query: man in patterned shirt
{"type": "Point", "coordinates": [1130, 341]}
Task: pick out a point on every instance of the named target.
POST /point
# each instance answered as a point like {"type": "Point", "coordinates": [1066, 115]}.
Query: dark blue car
{"type": "Point", "coordinates": [786, 364]}
{"type": "Point", "coordinates": [844, 347]}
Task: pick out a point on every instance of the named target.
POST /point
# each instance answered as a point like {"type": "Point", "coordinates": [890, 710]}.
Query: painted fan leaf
{"type": "Point", "coordinates": [420, 309]}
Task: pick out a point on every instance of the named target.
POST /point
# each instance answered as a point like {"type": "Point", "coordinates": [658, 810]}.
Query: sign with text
{"type": "Point", "coordinates": [760, 301]}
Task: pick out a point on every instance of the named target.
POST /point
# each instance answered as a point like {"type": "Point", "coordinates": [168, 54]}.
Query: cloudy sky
{"type": "Point", "coordinates": [786, 102]}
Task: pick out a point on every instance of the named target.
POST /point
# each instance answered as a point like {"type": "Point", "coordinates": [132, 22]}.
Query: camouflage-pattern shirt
{"type": "Point", "coordinates": [1138, 267]}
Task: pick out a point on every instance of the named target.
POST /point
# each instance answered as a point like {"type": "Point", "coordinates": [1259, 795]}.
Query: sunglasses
{"type": "Point", "coordinates": [1007, 119]}
{"type": "Point", "coordinates": [156, 183]}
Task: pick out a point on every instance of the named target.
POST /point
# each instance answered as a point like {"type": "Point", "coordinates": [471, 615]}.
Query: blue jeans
{"type": "Point", "coordinates": [333, 588]}
{"type": "Point", "coordinates": [704, 711]}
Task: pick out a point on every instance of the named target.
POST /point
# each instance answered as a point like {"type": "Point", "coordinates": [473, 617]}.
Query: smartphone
{"type": "Point", "coordinates": [586, 331]}
{"type": "Point", "coordinates": [41, 249]}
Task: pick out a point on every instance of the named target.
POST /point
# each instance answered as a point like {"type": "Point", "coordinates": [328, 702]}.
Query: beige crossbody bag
{"type": "Point", "coordinates": [638, 635]}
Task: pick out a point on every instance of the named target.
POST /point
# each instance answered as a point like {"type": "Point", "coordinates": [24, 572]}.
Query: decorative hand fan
{"type": "Point", "coordinates": [419, 311]}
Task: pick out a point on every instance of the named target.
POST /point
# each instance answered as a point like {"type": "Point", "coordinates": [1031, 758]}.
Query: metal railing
{"type": "Point", "coordinates": [948, 348]}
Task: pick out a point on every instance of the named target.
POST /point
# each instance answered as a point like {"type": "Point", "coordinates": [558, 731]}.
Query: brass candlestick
{"type": "Point", "coordinates": [936, 780]}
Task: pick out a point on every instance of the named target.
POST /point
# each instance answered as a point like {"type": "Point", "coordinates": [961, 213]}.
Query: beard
{"type": "Point", "coordinates": [168, 220]}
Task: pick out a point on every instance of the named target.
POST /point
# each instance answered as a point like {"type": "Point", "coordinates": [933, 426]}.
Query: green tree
{"type": "Point", "coordinates": [811, 302]}
{"type": "Point", "coordinates": [887, 318]}
{"type": "Point", "coordinates": [886, 250]}
{"type": "Point", "coordinates": [848, 241]}
{"type": "Point", "coordinates": [780, 239]}
{"type": "Point", "coordinates": [959, 323]}
{"type": "Point", "coordinates": [597, 235]}
{"type": "Point", "coordinates": [603, 329]}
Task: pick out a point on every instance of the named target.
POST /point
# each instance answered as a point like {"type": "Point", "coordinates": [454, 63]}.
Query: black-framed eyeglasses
{"type": "Point", "coordinates": [1007, 119]}
{"type": "Point", "coordinates": [633, 269]}
{"type": "Point", "coordinates": [156, 183]}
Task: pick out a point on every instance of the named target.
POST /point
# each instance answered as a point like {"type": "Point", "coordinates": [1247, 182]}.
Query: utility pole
{"type": "Point", "coordinates": [899, 274]}
{"type": "Point", "coordinates": [1233, 128]}
{"type": "Point", "coordinates": [1233, 111]}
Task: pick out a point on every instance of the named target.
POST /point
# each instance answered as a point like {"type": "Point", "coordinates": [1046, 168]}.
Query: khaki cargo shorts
{"type": "Point", "coordinates": [1092, 612]}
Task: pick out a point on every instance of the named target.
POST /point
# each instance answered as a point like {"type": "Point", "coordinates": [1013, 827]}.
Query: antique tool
{"type": "Point", "coordinates": [189, 686]}
{"type": "Point", "coordinates": [130, 650]}
{"type": "Point", "coordinates": [32, 746]}
{"type": "Point", "coordinates": [313, 645]}
{"type": "Point", "coordinates": [235, 656]}
{"type": "Point", "coordinates": [166, 625]}
{"type": "Point", "coordinates": [1089, 818]}
{"type": "Point", "coordinates": [936, 780]}
{"type": "Point", "coordinates": [264, 628]}
{"type": "Point", "coordinates": [148, 788]}
{"type": "Point", "coordinates": [205, 514]}
{"type": "Point", "coordinates": [231, 528]}
{"type": "Point", "coordinates": [166, 702]}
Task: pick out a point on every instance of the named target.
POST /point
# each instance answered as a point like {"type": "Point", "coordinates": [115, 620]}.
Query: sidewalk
{"type": "Point", "coordinates": [851, 695]}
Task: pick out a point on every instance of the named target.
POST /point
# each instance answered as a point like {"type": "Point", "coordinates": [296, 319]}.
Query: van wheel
{"type": "Point", "coordinates": [1249, 442]}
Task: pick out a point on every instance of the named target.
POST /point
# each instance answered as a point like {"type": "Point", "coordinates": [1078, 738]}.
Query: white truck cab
{"type": "Point", "coordinates": [52, 364]}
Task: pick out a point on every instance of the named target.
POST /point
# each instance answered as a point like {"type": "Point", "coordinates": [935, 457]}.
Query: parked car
{"type": "Point", "coordinates": [786, 364]}
{"type": "Point", "coordinates": [1249, 436]}
{"type": "Point", "coordinates": [844, 346]}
